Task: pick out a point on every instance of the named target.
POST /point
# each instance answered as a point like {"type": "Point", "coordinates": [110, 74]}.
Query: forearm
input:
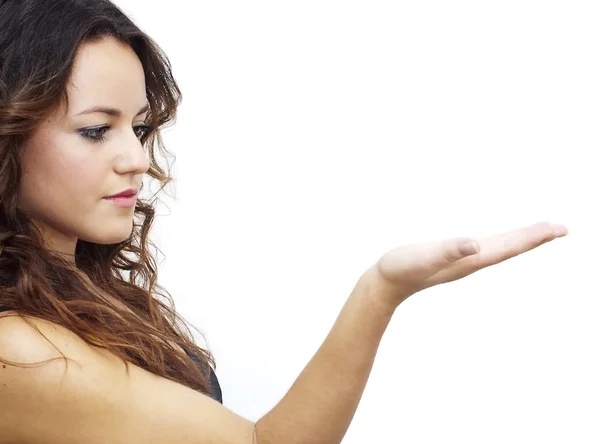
{"type": "Point", "coordinates": [320, 405]}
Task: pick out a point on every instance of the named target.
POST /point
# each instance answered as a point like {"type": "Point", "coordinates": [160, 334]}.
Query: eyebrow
{"type": "Point", "coordinates": [112, 111]}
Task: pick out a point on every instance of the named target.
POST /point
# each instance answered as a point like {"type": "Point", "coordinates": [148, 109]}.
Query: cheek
{"type": "Point", "coordinates": [57, 176]}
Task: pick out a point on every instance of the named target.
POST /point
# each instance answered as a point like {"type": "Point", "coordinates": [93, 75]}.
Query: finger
{"type": "Point", "coordinates": [499, 248]}
{"type": "Point", "coordinates": [496, 249]}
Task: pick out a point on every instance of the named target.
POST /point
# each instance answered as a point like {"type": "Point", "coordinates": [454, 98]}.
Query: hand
{"type": "Point", "coordinates": [409, 269]}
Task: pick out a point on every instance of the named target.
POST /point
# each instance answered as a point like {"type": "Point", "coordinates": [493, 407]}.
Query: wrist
{"type": "Point", "coordinates": [378, 293]}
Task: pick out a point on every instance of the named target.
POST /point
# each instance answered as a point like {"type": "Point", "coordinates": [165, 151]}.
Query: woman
{"type": "Point", "coordinates": [90, 353]}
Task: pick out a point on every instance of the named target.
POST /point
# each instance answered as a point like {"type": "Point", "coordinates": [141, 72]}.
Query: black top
{"type": "Point", "coordinates": [214, 382]}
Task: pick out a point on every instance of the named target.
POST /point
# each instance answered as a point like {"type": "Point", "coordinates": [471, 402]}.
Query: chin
{"type": "Point", "coordinates": [116, 239]}
{"type": "Point", "coordinates": [110, 235]}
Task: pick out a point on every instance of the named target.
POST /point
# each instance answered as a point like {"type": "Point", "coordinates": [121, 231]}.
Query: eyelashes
{"type": "Point", "coordinates": [97, 134]}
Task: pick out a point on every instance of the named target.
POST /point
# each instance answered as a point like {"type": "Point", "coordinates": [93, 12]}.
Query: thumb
{"type": "Point", "coordinates": [453, 250]}
{"type": "Point", "coordinates": [419, 262]}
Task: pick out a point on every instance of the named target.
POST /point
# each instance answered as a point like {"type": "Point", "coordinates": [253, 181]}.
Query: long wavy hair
{"type": "Point", "coordinates": [38, 43]}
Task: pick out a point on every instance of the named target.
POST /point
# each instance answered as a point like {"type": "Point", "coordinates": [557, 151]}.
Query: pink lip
{"type": "Point", "coordinates": [127, 193]}
{"type": "Point", "coordinates": [124, 202]}
{"type": "Point", "coordinates": [124, 199]}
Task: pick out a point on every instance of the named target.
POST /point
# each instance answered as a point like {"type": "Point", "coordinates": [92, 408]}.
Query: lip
{"type": "Point", "coordinates": [124, 199]}
{"type": "Point", "coordinates": [126, 193]}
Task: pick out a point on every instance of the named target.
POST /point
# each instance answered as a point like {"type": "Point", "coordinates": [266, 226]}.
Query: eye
{"type": "Point", "coordinates": [97, 134]}
{"type": "Point", "coordinates": [94, 134]}
{"type": "Point", "coordinates": [142, 131]}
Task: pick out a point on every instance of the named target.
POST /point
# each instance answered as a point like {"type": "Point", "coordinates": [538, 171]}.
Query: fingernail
{"type": "Point", "coordinates": [468, 247]}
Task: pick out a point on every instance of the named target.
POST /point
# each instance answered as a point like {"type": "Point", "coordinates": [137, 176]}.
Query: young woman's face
{"type": "Point", "coordinates": [76, 158]}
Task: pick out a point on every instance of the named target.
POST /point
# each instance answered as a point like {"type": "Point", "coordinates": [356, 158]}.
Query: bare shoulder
{"type": "Point", "coordinates": [89, 397]}
{"type": "Point", "coordinates": [30, 340]}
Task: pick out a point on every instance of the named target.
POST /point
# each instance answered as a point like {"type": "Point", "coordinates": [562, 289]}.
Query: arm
{"type": "Point", "coordinates": [93, 400]}
{"type": "Point", "coordinates": [320, 405]}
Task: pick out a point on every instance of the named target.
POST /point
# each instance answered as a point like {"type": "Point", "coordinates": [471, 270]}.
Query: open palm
{"type": "Point", "coordinates": [408, 269]}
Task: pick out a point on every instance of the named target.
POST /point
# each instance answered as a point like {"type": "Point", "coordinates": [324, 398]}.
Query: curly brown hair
{"type": "Point", "coordinates": [39, 40]}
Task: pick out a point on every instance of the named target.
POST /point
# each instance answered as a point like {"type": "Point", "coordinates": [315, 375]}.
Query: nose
{"type": "Point", "coordinates": [132, 157]}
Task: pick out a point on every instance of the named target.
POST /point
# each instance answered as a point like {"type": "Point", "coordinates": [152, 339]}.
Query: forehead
{"type": "Point", "coordinates": [107, 73]}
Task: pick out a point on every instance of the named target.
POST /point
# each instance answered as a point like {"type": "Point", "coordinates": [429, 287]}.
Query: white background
{"type": "Point", "coordinates": [314, 136]}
